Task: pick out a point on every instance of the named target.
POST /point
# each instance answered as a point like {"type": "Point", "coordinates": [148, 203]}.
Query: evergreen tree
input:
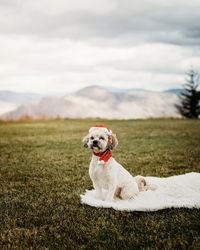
{"type": "Point", "coordinates": [190, 98]}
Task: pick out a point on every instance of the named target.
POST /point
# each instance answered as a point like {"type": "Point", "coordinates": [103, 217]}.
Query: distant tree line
{"type": "Point", "coordinates": [189, 106]}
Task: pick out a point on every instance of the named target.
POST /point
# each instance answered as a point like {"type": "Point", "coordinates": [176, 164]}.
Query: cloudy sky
{"type": "Point", "coordinates": [64, 45]}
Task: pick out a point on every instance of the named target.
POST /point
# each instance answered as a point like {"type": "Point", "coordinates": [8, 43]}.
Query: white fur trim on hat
{"type": "Point", "coordinates": [102, 128]}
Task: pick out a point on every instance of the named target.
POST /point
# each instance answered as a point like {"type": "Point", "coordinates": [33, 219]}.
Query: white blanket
{"type": "Point", "coordinates": [175, 191]}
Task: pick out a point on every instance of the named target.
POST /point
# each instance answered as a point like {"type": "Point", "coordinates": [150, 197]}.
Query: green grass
{"type": "Point", "coordinates": [44, 169]}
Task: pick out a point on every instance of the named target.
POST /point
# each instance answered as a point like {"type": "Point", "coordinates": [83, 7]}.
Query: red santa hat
{"type": "Point", "coordinates": [103, 128]}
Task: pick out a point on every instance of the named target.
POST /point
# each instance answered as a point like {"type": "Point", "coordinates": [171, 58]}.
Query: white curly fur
{"type": "Point", "coordinates": [111, 176]}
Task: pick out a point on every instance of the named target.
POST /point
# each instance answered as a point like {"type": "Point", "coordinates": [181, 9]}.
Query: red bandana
{"type": "Point", "coordinates": [104, 156]}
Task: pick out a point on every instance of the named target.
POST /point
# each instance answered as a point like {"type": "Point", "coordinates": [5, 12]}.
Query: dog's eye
{"type": "Point", "coordinates": [101, 138]}
{"type": "Point", "coordinates": [92, 138]}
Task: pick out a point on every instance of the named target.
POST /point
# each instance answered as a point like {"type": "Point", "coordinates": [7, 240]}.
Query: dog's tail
{"type": "Point", "coordinates": [143, 185]}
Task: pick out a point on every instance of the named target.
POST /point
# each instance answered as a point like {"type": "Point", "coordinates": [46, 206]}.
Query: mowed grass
{"type": "Point", "coordinates": [44, 169]}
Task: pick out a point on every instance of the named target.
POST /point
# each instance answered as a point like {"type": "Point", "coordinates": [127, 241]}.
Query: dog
{"type": "Point", "coordinates": [105, 172]}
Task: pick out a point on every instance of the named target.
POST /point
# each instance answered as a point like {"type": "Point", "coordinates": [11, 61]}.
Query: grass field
{"type": "Point", "coordinates": [44, 169]}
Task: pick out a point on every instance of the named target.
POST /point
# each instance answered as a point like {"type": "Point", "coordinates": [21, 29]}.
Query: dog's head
{"type": "Point", "coordinates": [100, 138]}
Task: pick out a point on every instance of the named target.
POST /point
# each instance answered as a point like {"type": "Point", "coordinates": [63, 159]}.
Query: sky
{"type": "Point", "coordinates": [61, 46]}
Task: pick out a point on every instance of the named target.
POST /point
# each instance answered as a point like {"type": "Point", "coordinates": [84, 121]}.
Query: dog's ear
{"type": "Point", "coordinates": [85, 141]}
{"type": "Point", "coordinates": [113, 142]}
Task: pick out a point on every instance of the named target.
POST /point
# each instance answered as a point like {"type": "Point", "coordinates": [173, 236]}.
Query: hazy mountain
{"type": "Point", "coordinates": [10, 100]}
{"type": "Point", "coordinates": [7, 107]}
{"type": "Point", "coordinates": [96, 101]}
{"type": "Point", "coordinates": [124, 90]}
{"type": "Point", "coordinates": [18, 98]}
{"type": "Point", "coordinates": [175, 91]}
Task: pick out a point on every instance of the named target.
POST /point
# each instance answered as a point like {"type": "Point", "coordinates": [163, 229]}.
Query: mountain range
{"type": "Point", "coordinates": [96, 101]}
{"type": "Point", "coordinates": [10, 100]}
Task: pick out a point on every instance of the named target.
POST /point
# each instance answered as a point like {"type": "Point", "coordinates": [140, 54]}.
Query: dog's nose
{"type": "Point", "coordinates": [95, 142]}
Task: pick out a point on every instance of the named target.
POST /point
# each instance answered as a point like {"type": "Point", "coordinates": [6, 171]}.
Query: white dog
{"type": "Point", "coordinates": [105, 172]}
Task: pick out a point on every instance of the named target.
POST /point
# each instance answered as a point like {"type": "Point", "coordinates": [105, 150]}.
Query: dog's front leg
{"type": "Point", "coordinates": [111, 192]}
{"type": "Point", "coordinates": [98, 190]}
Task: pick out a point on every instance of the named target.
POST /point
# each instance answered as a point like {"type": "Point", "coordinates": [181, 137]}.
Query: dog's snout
{"type": "Point", "coordinates": [95, 142]}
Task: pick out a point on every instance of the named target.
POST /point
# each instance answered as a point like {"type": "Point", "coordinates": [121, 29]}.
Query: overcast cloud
{"type": "Point", "coordinates": [61, 46]}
